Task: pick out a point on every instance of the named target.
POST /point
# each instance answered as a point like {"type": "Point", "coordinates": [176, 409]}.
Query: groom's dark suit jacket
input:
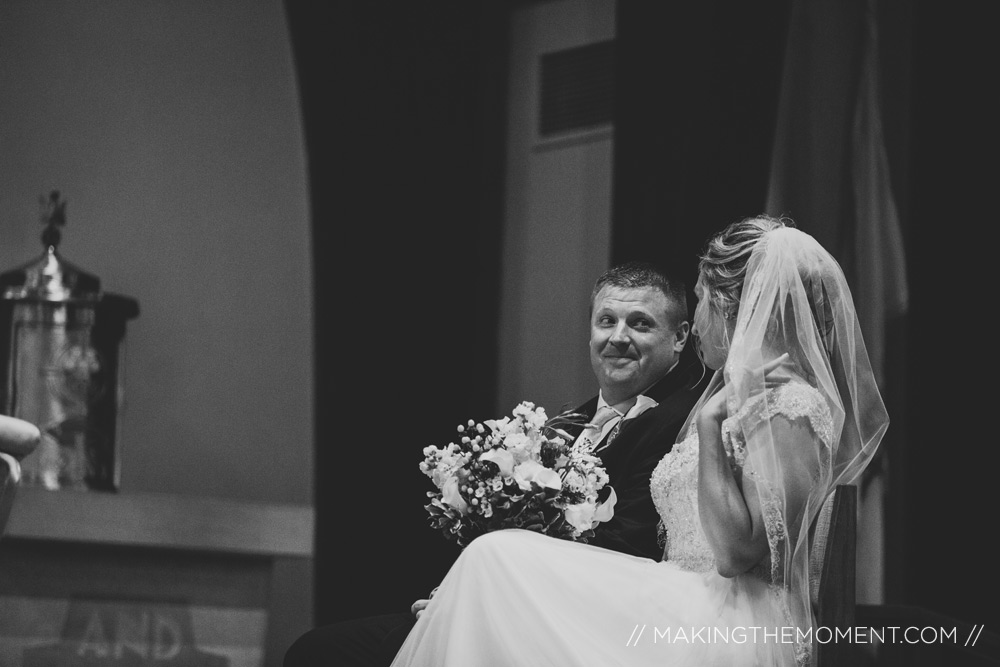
{"type": "Point", "coordinates": [630, 458]}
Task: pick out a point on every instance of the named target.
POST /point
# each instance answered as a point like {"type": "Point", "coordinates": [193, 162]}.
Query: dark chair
{"type": "Point", "coordinates": [832, 564]}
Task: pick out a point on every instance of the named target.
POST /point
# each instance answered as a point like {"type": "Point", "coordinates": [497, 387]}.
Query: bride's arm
{"type": "Point", "coordinates": [731, 513]}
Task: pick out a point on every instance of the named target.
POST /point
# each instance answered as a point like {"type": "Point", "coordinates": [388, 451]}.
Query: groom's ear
{"type": "Point", "coordinates": [681, 336]}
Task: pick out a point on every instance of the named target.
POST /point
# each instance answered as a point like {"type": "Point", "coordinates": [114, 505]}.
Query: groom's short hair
{"type": "Point", "coordinates": [631, 275]}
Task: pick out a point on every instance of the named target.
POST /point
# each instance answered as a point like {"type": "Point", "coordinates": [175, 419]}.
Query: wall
{"type": "Point", "coordinates": [173, 131]}
{"type": "Point", "coordinates": [558, 221]}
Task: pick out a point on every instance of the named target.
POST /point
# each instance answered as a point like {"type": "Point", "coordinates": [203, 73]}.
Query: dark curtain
{"type": "Point", "coordinates": [403, 112]}
{"type": "Point", "coordinates": [696, 91]}
{"type": "Point", "coordinates": [951, 455]}
{"type": "Point", "coordinates": [696, 96]}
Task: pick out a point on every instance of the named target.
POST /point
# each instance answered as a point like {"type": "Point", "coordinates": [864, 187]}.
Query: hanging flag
{"type": "Point", "coordinates": [811, 143]}
{"type": "Point", "coordinates": [880, 263]}
{"type": "Point", "coordinates": [830, 173]}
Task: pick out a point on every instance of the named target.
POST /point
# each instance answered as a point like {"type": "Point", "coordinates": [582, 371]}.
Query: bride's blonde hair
{"type": "Point", "coordinates": [723, 264]}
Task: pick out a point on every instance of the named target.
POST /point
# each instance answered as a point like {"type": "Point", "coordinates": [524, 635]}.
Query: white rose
{"type": "Point", "coordinates": [580, 516]}
{"type": "Point", "coordinates": [530, 472]}
{"type": "Point", "coordinates": [516, 441]}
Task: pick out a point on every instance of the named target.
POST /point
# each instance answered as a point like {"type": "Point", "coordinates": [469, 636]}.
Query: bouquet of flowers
{"type": "Point", "coordinates": [516, 473]}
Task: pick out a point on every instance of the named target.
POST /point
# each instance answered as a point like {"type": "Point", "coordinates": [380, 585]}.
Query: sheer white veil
{"type": "Point", "coordinates": [795, 299]}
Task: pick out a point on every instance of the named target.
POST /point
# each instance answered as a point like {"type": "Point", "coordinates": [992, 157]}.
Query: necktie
{"type": "Point", "coordinates": [614, 434]}
{"type": "Point", "coordinates": [592, 432]}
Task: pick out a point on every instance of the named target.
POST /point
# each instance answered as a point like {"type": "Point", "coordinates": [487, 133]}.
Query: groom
{"type": "Point", "coordinates": [648, 385]}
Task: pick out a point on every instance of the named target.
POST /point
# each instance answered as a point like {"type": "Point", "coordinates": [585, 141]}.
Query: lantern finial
{"type": "Point", "coordinates": [53, 216]}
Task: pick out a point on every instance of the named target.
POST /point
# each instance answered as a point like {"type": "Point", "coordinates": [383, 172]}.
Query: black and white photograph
{"type": "Point", "coordinates": [497, 333]}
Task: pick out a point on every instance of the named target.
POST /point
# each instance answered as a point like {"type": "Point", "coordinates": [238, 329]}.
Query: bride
{"type": "Point", "coordinates": [792, 411]}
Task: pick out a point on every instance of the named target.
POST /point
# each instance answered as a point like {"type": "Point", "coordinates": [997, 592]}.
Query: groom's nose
{"type": "Point", "coordinates": [620, 336]}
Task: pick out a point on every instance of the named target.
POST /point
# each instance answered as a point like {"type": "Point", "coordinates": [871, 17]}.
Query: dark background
{"type": "Point", "coordinates": [403, 106]}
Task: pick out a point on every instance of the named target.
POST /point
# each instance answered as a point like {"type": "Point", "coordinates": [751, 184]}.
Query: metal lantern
{"type": "Point", "coordinates": [63, 336]}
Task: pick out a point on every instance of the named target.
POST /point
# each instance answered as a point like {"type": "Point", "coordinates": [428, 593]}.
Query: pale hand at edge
{"type": "Point", "coordinates": [418, 607]}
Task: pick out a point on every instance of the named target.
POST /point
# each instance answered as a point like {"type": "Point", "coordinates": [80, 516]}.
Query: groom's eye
{"type": "Point", "coordinates": [605, 320]}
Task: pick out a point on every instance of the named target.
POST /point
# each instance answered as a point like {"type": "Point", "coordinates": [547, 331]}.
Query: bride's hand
{"type": "Point", "coordinates": [715, 410]}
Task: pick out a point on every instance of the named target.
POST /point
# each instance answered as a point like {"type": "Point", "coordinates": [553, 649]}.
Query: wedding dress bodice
{"type": "Point", "coordinates": [674, 482]}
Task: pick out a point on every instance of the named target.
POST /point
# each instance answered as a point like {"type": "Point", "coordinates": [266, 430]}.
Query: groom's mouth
{"type": "Point", "coordinates": [619, 359]}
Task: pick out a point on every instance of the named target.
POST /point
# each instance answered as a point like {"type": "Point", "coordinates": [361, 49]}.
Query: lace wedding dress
{"type": "Point", "coordinates": [516, 597]}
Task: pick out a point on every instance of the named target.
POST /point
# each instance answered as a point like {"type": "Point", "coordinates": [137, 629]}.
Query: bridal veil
{"type": "Point", "coordinates": [795, 299]}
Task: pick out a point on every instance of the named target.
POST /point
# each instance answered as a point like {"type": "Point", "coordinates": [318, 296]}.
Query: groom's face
{"type": "Point", "coordinates": [633, 341]}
